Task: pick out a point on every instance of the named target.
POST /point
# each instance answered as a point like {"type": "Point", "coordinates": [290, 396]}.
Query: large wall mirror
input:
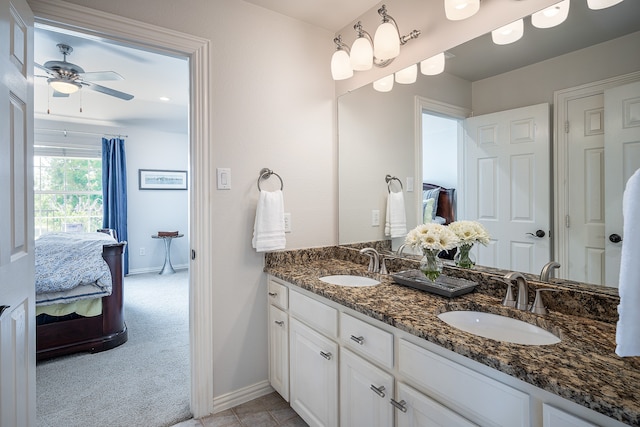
{"type": "Point", "coordinates": [378, 131]}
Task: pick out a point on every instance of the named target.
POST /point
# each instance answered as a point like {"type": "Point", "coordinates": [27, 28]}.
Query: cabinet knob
{"type": "Point", "coordinates": [325, 355]}
{"type": "Point", "coordinates": [399, 405]}
{"type": "Point", "coordinates": [359, 340]}
{"type": "Point", "coordinates": [273, 294]}
{"type": "Point", "coordinates": [378, 390]}
{"type": "Point", "coordinates": [280, 322]}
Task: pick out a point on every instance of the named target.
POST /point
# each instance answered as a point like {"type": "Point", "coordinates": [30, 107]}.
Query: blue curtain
{"type": "Point", "coordinates": [114, 191]}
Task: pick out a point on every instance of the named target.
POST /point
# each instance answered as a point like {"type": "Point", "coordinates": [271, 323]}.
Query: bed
{"type": "Point", "coordinates": [79, 294]}
{"type": "Point", "coordinates": [443, 203]}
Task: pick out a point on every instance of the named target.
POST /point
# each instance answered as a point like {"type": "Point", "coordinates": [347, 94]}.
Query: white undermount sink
{"type": "Point", "coordinates": [500, 328]}
{"type": "Point", "coordinates": [349, 280]}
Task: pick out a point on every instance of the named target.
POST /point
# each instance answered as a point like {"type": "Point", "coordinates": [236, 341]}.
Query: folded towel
{"type": "Point", "coordinates": [268, 229]}
{"type": "Point", "coordinates": [628, 330]}
{"type": "Point", "coordinates": [396, 219]}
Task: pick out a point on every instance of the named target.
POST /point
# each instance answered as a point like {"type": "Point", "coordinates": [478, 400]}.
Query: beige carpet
{"type": "Point", "coordinates": [144, 382]}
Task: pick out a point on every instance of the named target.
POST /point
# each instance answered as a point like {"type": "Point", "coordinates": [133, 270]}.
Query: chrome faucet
{"type": "Point", "coordinates": [523, 289]}
{"type": "Point", "coordinates": [547, 271]}
{"type": "Point", "coordinates": [400, 249]}
{"type": "Point", "coordinates": [374, 259]}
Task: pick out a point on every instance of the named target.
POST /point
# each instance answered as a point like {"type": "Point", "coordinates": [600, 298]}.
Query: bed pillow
{"type": "Point", "coordinates": [432, 194]}
{"type": "Point", "coordinates": [427, 210]}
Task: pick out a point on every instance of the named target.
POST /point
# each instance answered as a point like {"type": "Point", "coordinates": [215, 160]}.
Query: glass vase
{"type": "Point", "coordinates": [464, 258]}
{"type": "Point", "coordinates": [430, 264]}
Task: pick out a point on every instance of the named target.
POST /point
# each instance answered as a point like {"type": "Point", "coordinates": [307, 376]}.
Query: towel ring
{"type": "Point", "coordinates": [390, 178]}
{"type": "Point", "coordinates": [265, 173]}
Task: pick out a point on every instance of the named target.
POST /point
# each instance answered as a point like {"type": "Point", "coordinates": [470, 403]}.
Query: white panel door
{"type": "Point", "coordinates": [17, 318]}
{"type": "Point", "coordinates": [506, 178]}
{"type": "Point", "coordinates": [365, 391]}
{"type": "Point", "coordinates": [622, 159]}
{"type": "Point", "coordinates": [585, 220]}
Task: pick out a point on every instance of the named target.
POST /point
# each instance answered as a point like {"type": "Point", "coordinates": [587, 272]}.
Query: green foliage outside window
{"type": "Point", "coordinates": [67, 194]}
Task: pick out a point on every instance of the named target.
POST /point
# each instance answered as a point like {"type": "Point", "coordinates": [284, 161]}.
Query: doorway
{"type": "Point", "coordinates": [114, 27]}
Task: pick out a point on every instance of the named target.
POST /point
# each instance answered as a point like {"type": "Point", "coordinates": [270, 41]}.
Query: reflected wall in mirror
{"type": "Point", "coordinates": [378, 132]}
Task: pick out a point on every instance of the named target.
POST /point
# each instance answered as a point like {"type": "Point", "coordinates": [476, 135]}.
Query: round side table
{"type": "Point", "coordinates": [167, 268]}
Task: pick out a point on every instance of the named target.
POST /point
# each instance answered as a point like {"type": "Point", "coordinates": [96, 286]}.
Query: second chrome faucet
{"type": "Point", "coordinates": [523, 289]}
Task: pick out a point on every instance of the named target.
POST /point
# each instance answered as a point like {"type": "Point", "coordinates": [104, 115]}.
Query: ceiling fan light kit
{"type": "Point", "coordinates": [66, 78]}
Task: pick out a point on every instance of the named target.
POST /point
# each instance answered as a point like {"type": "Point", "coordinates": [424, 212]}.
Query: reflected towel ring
{"type": "Point", "coordinates": [390, 178]}
{"type": "Point", "coordinates": [265, 173]}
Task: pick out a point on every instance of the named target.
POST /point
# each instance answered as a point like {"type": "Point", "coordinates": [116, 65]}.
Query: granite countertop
{"type": "Point", "coordinates": [582, 368]}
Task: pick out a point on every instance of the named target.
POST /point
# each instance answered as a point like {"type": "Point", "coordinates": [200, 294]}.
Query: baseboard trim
{"type": "Point", "coordinates": [155, 269]}
{"type": "Point", "coordinates": [238, 397]}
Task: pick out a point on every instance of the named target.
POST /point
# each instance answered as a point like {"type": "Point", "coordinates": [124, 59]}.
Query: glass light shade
{"type": "Point", "coordinates": [460, 9]}
{"type": "Point", "coordinates": [551, 16]}
{"type": "Point", "coordinates": [386, 42]}
{"type": "Point", "coordinates": [432, 66]}
{"type": "Point", "coordinates": [341, 65]}
{"type": "Point", "coordinates": [361, 54]}
{"type": "Point", "coordinates": [407, 75]}
{"type": "Point", "coordinates": [601, 4]}
{"type": "Point", "coordinates": [63, 86]}
{"type": "Point", "coordinates": [509, 33]}
{"type": "Point", "coordinates": [384, 84]}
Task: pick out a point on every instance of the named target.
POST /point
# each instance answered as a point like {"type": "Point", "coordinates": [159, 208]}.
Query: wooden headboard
{"type": "Point", "coordinates": [446, 201]}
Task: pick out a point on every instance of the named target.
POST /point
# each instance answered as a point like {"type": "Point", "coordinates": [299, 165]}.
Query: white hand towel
{"type": "Point", "coordinates": [268, 229]}
{"type": "Point", "coordinates": [396, 219]}
{"type": "Point", "coordinates": [628, 330]}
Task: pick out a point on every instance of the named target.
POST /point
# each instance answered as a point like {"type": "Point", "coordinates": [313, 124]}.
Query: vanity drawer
{"type": "Point", "coordinates": [278, 294]}
{"type": "Point", "coordinates": [366, 339]}
{"type": "Point", "coordinates": [483, 399]}
{"type": "Point", "coordinates": [319, 316]}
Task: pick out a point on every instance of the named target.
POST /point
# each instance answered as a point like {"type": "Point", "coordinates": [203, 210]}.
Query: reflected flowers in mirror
{"type": "Point", "coordinates": [468, 234]}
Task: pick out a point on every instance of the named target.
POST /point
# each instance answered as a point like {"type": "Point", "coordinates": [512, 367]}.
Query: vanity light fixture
{"type": "Point", "coordinates": [384, 84]}
{"type": "Point", "coordinates": [509, 33]}
{"type": "Point", "coordinates": [387, 39]}
{"type": "Point", "coordinates": [602, 4]}
{"type": "Point", "coordinates": [551, 16]}
{"type": "Point", "coordinates": [361, 50]}
{"type": "Point", "coordinates": [432, 66]}
{"type": "Point", "coordinates": [408, 75]}
{"type": "Point", "coordinates": [457, 10]}
{"type": "Point", "coordinates": [64, 85]}
{"type": "Point", "coordinates": [340, 61]}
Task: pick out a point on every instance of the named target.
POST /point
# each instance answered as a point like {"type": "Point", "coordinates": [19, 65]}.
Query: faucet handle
{"type": "Point", "coordinates": [509, 300]}
{"type": "Point", "coordinates": [538, 306]}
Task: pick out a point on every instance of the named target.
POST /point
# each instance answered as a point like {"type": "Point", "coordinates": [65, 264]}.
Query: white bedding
{"type": "Point", "coordinates": [67, 261]}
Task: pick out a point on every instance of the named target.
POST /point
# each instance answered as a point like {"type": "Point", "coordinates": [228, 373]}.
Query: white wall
{"type": "Point", "coordinates": [535, 84]}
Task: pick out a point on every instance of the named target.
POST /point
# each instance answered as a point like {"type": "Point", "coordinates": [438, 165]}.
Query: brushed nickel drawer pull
{"type": "Point", "coordinates": [378, 390]}
{"type": "Point", "coordinates": [325, 355]}
{"type": "Point", "coordinates": [359, 340]}
{"type": "Point", "coordinates": [280, 322]}
{"type": "Point", "coordinates": [273, 294]}
{"type": "Point", "coordinates": [399, 405]}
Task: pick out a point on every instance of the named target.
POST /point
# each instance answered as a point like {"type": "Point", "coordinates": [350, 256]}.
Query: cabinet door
{"type": "Point", "coordinates": [313, 375]}
{"type": "Point", "coordinates": [365, 391]}
{"type": "Point", "coordinates": [279, 351]}
{"type": "Point", "coordinates": [420, 411]}
{"type": "Point", "coordinates": [554, 417]}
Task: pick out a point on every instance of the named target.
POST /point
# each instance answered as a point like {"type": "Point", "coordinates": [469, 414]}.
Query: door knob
{"type": "Point", "coordinates": [539, 233]}
{"type": "Point", "coordinates": [615, 238]}
{"type": "Point", "coordinates": [3, 308]}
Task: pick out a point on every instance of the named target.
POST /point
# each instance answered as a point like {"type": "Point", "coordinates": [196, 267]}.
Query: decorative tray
{"type": "Point", "coordinates": [446, 286]}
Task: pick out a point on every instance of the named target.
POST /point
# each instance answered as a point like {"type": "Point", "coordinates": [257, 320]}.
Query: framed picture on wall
{"type": "Point", "coordinates": [154, 179]}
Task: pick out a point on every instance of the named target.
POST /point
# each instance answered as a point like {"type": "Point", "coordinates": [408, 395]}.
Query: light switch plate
{"type": "Point", "coordinates": [224, 178]}
{"type": "Point", "coordinates": [287, 222]}
{"type": "Point", "coordinates": [375, 218]}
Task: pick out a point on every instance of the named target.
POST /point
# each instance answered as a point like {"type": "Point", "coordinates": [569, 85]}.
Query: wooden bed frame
{"type": "Point", "coordinates": [445, 202]}
{"type": "Point", "coordinates": [93, 334]}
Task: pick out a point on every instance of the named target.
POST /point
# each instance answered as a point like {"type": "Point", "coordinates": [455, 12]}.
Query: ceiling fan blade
{"type": "Point", "coordinates": [94, 76]}
{"type": "Point", "coordinates": [108, 91]}
{"type": "Point", "coordinates": [43, 68]}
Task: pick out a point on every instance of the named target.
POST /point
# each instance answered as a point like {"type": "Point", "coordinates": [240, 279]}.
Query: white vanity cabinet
{"type": "Point", "coordinates": [554, 417]}
{"type": "Point", "coordinates": [279, 338]}
{"type": "Point", "coordinates": [417, 410]}
{"type": "Point", "coordinates": [365, 393]}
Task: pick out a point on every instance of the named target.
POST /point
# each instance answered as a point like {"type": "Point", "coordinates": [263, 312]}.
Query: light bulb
{"type": "Point", "coordinates": [456, 10]}
{"type": "Point", "coordinates": [384, 84]}
{"type": "Point", "coordinates": [341, 65]}
{"type": "Point", "coordinates": [509, 33]}
{"type": "Point", "coordinates": [432, 66]}
{"type": "Point", "coordinates": [386, 42]}
{"type": "Point", "coordinates": [551, 16]}
{"type": "Point", "coordinates": [407, 75]}
{"type": "Point", "coordinates": [361, 54]}
{"type": "Point", "coordinates": [64, 86]}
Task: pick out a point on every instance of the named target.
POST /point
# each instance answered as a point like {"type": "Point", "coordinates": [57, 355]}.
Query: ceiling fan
{"type": "Point", "coordinates": [66, 78]}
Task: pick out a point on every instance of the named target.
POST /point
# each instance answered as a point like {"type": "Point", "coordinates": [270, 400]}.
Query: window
{"type": "Point", "coordinates": [67, 194]}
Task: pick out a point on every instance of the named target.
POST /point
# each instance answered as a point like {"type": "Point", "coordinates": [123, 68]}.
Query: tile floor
{"type": "Point", "coordinates": [266, 411]}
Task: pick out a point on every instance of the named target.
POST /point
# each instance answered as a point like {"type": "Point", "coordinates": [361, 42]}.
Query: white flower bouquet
{"type": "Point", "coordinates": [470, 232]}
{"type": "Point", "coordinates": [432, 236]}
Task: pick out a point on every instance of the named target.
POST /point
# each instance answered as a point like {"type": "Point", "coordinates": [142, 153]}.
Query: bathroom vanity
{"type": "Point", "coordinates": [379, 355]}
